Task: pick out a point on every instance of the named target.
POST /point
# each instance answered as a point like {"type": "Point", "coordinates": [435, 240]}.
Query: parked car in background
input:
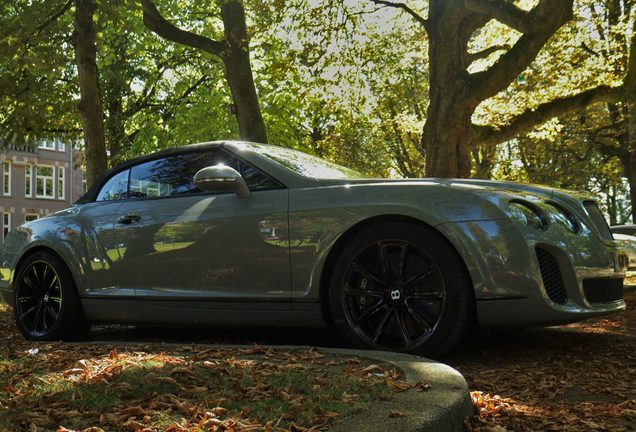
{"type": "Point", "coordinates": [626, 234]}
{"type": "Point", "coordinates": [624, 229]}
{"type": "Point", "coordinates": [242, 234]}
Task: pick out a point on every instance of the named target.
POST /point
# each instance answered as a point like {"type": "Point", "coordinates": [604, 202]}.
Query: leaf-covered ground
{"type": "Point", "coordinates": [580, 377]}
{"type": "Point", "coordinates": [95, 387]}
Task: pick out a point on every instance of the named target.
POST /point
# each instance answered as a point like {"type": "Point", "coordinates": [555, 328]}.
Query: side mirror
{"type": "Point", "coordinates": [221, 178]}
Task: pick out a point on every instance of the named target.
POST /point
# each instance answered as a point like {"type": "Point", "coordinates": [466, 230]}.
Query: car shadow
{"type": "Point", "coordinates": [517, 345]}
{"type": "Point", "coordinates": [510, 344]}
{"type": "Point", "coordinates": [215, 336]}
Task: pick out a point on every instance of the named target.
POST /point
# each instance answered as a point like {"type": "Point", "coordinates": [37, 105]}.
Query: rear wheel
{"type": "Point", "coordinates": [46, 304]}
{"type": "Point", "coordinates": [400, 287]}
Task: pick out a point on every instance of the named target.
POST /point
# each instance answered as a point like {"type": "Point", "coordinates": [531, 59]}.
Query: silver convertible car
{"type": "Point", "coordinates": [241, 234]}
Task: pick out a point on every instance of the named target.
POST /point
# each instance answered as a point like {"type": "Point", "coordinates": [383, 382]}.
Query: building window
{"type": "Point", "coordinates": [6, 224]}
{"type": "Point", "coordinates": [44, 182]}
{"type": "Point", "coordinates": [61, 146]}
{"type": "Point", "coordinates": [6, 178]}
{"type": "Point", "coordinates": [47, 144]}
{"type": "Point", "coordinates": [31, 217]}
{"type": "Point", "coordinates": [28, 180]}
{"type": "Point", "coordinates": [60, 183]}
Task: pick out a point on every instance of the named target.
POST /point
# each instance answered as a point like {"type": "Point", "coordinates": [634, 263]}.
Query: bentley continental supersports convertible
{"type": "Point", "coordinates": [240, 234]}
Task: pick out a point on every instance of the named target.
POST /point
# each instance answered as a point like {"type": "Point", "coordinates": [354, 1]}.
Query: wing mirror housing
{"type": "Point", "coordinates": [221, 178]}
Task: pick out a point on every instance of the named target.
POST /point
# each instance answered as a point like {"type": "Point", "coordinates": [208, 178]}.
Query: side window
{"type": "Point", "coordinates": [173, 175]}
{"type": "Point", "coordinates": [168, 176]}
{"type": "Point", "coordinates": [115, 188]}
{"type": "Point", "coordinates": [255, 179]}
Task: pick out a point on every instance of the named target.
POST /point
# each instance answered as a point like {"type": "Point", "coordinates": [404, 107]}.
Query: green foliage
{"type": "Point", "coordinates": [333, 83]}
{"type": "Point", "coordinates": [347, 81]}
{"type": "Point", "coordinates": [38, 93]}
{"type": "Point", "coordinates": [158, 94]}
{"type": "Point", "coordinates": [585, 150]}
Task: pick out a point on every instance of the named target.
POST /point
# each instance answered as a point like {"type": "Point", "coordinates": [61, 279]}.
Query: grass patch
{"type": "Point", "coordinates": [82, 386]}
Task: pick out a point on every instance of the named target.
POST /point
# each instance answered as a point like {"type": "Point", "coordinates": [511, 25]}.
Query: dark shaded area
{"type": "Point", "coordinates": [242, 336]}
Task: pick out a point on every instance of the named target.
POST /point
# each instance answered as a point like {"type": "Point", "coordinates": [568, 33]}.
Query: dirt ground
{"type": "Point", "coordinates": [579, 377]}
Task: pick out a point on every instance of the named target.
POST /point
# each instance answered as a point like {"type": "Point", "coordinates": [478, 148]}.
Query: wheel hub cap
{"type": "Point", "coordinates": [395, 295]}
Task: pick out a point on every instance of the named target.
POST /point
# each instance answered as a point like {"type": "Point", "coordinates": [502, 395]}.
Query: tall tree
{"type": "Point", "coordinates": [233, 50]}
{"type": "Point", "coordinates": [145, 106]}
{"type": "Point", "coordinates": [449, 133]}
{"type": "Point", "coordinates": [594, 49]}
{"type": "Point", "coordinates": [90, 106]}
{"type": "Point", "coordinates": [630, 102]}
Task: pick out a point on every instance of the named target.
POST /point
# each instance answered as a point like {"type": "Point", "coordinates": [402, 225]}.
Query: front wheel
{"type": "Point", "coordinates": [46, 304]}
{"type": "Point", "coordinates": [400, 287]}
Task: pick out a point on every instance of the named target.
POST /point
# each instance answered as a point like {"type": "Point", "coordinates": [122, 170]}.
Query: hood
{"type": "Point", "coordinates": [497, 192]}
{"type": "Point", "coordinates": [468, 184]}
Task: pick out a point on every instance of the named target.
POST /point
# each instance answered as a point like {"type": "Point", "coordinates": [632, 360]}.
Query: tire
{"type": "Point", "coordinates": [400, 287]}
{"type": "Point", "coordinates": [46, 305]}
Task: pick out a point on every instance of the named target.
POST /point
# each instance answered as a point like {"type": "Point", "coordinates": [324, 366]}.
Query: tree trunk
{"type": "Point", "coordinates": [233, 50]}
{"type": "Point", "coordinates": [113, 101]}
{"type": "Point", "coordinates": [632, 184]}
{"type": "Point", "coordinates": [90, 96]}
{"type": "Point", "coordinates": [448, 136]}
{"type": "Point", "coordinates": [447, 144]}
{"type": "Point", "coordinates": [238, 72]}
{"type": "Point", "coordinates": [117, 137]}
{"type": "Point", "coordinates": [484, 161]}
{"type": "Point", "coordinates": [630, 103]}
{"type": "Point", "coordinates": [631, 171]}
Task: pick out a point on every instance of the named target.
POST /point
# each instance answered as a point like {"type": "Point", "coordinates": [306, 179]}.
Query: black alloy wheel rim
{"type": "Point", "coordinates": [39, 298]}
{"type": "Point", "coordinates": [394, 295]}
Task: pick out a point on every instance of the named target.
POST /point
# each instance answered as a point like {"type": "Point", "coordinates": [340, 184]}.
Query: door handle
{"type": "Point", "coordinates": [128, 219]}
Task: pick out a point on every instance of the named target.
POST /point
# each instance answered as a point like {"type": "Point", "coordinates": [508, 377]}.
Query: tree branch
{"type": "Point", "coordinates": [546, 111]}
{"type": "Point", "coordinates": [54, 17]}
{"type": "Point", "coordinates": [545, 19]}
{"type": "Point", "coordinates": [630, 77]}
{"type": "Point", "coordinates": [589, 50]}
{"type": "Point", "coordinates": [471, 57]}
{"type": "Point", "coordinates": [419, 18]}
{"type": "Point", "coordinates": [155, 22]}
{"type": "Point", "coordinates": [503, 11]}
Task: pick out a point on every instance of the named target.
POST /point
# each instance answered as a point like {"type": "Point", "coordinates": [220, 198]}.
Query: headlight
{"type": "Point", "coordinates": [565, 217]}
{"type": "Point", "coordinates": [528, 214]}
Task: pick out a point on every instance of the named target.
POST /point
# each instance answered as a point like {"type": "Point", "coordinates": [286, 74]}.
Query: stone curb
{"type": "Point", "coordinates": [442, 408]}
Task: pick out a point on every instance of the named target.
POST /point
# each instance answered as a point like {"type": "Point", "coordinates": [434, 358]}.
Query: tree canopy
{"type": "Point", "coordinates": [532, 90]}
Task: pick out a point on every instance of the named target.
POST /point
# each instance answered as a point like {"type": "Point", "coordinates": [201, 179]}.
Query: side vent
{"type": "Point", "coordinates": [551, 275]}
{"type": "Point", "coordinates": [598, 219]}
{"type": "Point", "coordinates": [603, 290]}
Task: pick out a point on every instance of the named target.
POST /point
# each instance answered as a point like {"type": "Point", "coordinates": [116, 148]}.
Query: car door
{"type": "Point", "coordinates": [96, 242]}
{"type": "Point", "coordinates": [179, 243]}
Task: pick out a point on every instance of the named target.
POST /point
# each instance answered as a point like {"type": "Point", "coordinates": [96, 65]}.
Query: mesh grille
{"type": "Point", "coordinates": [551, 275]}
{"type": "Point", "coordinates": [598, 219]}
{"type": "Point", "coordinates": [603, 290]}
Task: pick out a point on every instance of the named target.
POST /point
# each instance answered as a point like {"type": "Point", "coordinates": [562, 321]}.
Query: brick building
{"type": "Point", "coordinates": [36, 181]}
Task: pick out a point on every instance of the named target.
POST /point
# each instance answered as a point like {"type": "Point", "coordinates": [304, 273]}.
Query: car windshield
{"type": "Point", "coordinates": [306, 165]}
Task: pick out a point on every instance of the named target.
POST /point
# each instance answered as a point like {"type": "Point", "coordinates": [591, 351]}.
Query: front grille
{"type": "Point", "coordinates": [551, 276]}
{"type": "Point", "coordinates": [598, 219]}
{"type": "Point", "coordinates": [603, 290]}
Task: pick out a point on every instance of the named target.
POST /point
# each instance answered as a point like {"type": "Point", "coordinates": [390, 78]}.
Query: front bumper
{"type": "Point", "coordinates": [528, 277]}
